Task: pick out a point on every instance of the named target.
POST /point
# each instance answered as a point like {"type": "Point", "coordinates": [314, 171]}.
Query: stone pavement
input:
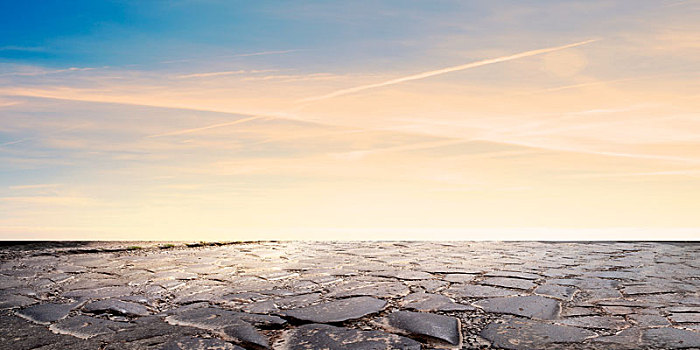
{"type": "Point", "coordinates": [351, 295]}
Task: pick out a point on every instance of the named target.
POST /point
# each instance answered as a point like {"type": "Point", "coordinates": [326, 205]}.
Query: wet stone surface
{"type": "Point", "coordinates": [350, 295]}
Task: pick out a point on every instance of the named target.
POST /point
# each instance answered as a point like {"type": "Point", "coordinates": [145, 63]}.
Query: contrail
{"type": "Point", "coordinates": [210, 74]}
{"type": "Point", "coordinates": [229, 72]}
{"type": "Point", "coordinates": [30, 74]}
{"type": "Point", "coordinates": [444, 71]}
{"type": "Point", "coordinates": [280, 52]}
{"type": "Point", "coordinates": [187, 131]}
{"type": "Point", "coordinates": [262, 53]}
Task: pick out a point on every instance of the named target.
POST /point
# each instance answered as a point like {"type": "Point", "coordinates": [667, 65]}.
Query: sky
{"type": "Point", "coordinates": [454, 120]}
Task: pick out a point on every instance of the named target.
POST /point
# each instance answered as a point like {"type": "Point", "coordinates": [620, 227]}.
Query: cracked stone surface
{"type": "Point", "coordinates": [476, 291]}
{"type": "Point", "coordinates": [47, 313]}
{"type": "Point", "coordinates": [350, 295]}
{"type": "Point", "coordinates": [315, 336]}
{"type": "Point", "coordinates": [506, 282]}
{"type": "Point", "coordinates": [116, 306]}
{"type": "Point", "coordinates": [531, 306]}
{"type": "Point", "coordinates": [338, 310]}
{"type": "Point", "coordinates": [601, 322]}
{"type": "Point", "coordinates": [530, 334]}
{"type": "Point", "coordinates": [214, 318]}
{"type": "Point", "coordinates": [244, 333]}
{"type": "Point", "coordinates": [85, 327]}
{"type": "Point", "coordinates": [17, 333]}
{"type": "Point", "coordinates": [432, 302]}
{"type": "Point", "coordinates": [11, 301]}
{"type": "Point", "coordinates": [191, 343]}
{"type": "Point", "coordinates": [671, 338]}
{"type": "Point", "coordinates": [443, 329]}
{"type": "Point", "coordinates": [627, 339]}
{"type": "Point", "coordinates": [556, 291]}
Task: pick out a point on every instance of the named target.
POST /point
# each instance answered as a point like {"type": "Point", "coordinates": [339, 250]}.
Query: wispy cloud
{"type": "Point", "coordinates": [445, 71]}
{"type": "Point", "coordinates": [13, 142]}
{"type": "Point", "coordinates": [22, 48]}
{"type": "Point", "coordinates": [213, 126]}
{"type": "Point", "coordinates": [583, 150]}
{"type": "Point", "coordinates": [38, 72]}
{"type": "Point", "coordinates": [9, 103]}
{"type": "Point", "coordinates": [33, 187]}
{"type": "Point", "coordinates": [48, 200]}
{"type": "Point", "coordinates": [308, 135]}
{"type": "Point", "coordinates": [510, 129]}
{"type": "Point", "coordinates": [224, 73]}
{"type": "Point", "coordinates": [290, 77]}
{"type": "Point", "coordinates": [263, 53]}
{"type": "Point", "coordinates": [602, 82]}
{"type": "Point", "coordinates": [686, 172]}
{"type": "Point", "coordinates": [211, 74]}
{"type": "Point", "coordinates": [559, 125]}
{"type": "Point", "coordinates": [681, 3]}
{"type": "Point", "coordinates": [58, 131]}
{"type": "Point", "coordinates": [260, 53]}
{"type": "Point", "coordinates": [147, 100]}
{"type": "Point", "coordinates": [401, 148]}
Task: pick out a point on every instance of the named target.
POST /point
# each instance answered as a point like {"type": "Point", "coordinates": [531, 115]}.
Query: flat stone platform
{"type": "Point", "coordinates": [350, 295]}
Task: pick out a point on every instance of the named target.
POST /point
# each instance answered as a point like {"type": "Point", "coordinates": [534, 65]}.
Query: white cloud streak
{"type": "Point", "coordinates": [211, 74]}
{"type": "Point", "coordinates": [46, 72]}
{"type": "Point", "coordinates": [22, 48]}
{"type": "Point", "coordinates": [690, 172]}
{"type": "Point", "coordinates": [446, 70]}
{"type": "Point", "coordinates": [680, 3]}
{"type": "Point", "coordinates": [8, 104]}
{"type": "Point", "coordinates": [583, 150]}
{"type": "Point", "coordinates": [48, 200]}
{"type": "Point", "coordinates": [13, 142]}
{"type": "Point", "coordinates": [32, 187]}
{"type": "Point", "coordinates": [597, 83]}
{"type": "Point", "coordinates": [213, 126]}
{"type": "Point", "coordinates": [263, 53]}
{"type": "Point", "coordinates": [224, 73]}
{"type": "Point", "coordinates": [410, 147]}
{"type": "Point", "coordinates": [70, 128]}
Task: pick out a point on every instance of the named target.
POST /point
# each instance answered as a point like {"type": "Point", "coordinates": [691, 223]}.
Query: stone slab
{"type": "Point", "coordinates": [326, 337]}
{"type": "Point", "coordinates": [528, 334]}
{"type": "Point", "coordinates": [531, 306]}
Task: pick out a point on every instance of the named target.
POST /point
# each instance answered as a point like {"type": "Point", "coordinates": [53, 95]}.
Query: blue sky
{"type": "Point", "coordinates": [147, 32]}
{"type": "Point", "coordinates": [232, 119]}
{"type": "Point", "coordinates": [138, 32]}
{"type": "Point", "coordinates": [331, 35]}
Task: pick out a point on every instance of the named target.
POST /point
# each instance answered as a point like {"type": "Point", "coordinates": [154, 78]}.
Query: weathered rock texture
{"type": "Point", "coordinates": [354, 295]}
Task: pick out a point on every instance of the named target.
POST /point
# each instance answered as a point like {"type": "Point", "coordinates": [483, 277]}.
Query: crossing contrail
{"type": "Point", "coordinates": [444, 71]}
